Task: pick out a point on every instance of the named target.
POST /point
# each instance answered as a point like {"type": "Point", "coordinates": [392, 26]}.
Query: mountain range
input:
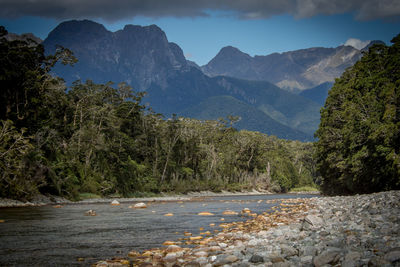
{"type": "Point", "coordinates": [232, 83]}
{"type": "Point", "coordinates": [294, 70]}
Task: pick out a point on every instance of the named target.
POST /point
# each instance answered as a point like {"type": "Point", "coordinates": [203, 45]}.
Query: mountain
{"type": "Point", "coordinates": [318, 94]}
{"type": "Point", "coordinates": [143, 58]}
{"type": "Point", "coordinates": [294, 70]}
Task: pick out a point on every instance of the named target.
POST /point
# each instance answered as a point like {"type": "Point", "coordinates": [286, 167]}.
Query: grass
{"type": "Point", "coordinates": [304, 189]}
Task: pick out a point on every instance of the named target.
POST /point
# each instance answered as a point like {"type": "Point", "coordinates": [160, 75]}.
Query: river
{"type": "Point", "coordinates": [48, 236]}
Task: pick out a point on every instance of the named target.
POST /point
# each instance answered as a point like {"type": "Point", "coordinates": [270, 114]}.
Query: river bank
{"type": "Point", "coordinates": [42, 200]}
{"type": "Point", "coordinates": [361, 230]}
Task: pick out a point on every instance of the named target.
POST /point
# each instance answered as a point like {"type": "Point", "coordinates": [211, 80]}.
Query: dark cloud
{"type": "Point", "coordinates": [113, 10]}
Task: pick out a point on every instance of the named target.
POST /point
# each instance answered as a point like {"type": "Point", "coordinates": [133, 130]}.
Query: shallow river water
{"type": "Point", "coordinates": [48, 236]}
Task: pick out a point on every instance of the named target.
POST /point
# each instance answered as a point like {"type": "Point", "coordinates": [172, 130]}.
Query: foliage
{"type": "Point", "coordinates": [359, 135]}
{"type": "Point", "coordinates": [98, 139]}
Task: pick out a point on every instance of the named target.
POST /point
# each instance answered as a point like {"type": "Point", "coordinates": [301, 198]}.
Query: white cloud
{"type": "Point", "coordinates": [357, 43]}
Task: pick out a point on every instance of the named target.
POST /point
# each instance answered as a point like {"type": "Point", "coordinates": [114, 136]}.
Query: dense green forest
{"type": "Point", "coordinates": [100, 139]}
{"type": "Point", "coordinates": [359, 136]}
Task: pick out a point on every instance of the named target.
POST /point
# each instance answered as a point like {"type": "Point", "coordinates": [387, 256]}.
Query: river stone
{"type": "Point", "coordinates": [256, 259]}
{"type": "Point", "coordinates": [252, 243]}
{"type": "Point", "coordinates": [173, 248]}
{"type": "Point", "coordinates": [352, 256]}
{"type": "Point", "coordinates": [308, 251]}
{"type": "Point", "coordinates": [140, 205]}
{"type": "Point", "coordinates": [192, 264]}
{"type": "Point", "coordinates": [201, 254]}
{"type": "Point", "coordinates": [276, 259]}
{"type": "Point", "coordinates": [378, 262]}
{"type": "Point", "coordinates": [170, 257]}
{"type": "Point", "coordinates": [225, 259]}
{"type": "Point", "coordinates": [306, 260]}
{"type": "Point", "coordinates": [313, 220]}
{"type": "Point", "coordinates": [326, 257]}
{"type": "Point", "coordinates": [393, 255]}
{"type": "Point", "coordinates": [222, 245]}
{"type": "Point", "coordinates": [281, 264]}
{"type": "Point", "coordinates": [241, 264]}
{"type": "Point", "coordinates": [115, 202]}
{"type": "Point", "coordinates": [288, 251]}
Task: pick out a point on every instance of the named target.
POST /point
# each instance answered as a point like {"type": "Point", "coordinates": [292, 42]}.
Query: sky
{"type": "Point", "coordinates": [202, 27]}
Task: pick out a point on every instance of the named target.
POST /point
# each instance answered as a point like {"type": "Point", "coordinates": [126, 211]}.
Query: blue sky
{"type": "Point", "coordinates": [201, 31]}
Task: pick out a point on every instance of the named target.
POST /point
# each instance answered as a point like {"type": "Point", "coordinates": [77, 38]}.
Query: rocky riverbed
{"type": "Point", "coordinates": [362, 230]}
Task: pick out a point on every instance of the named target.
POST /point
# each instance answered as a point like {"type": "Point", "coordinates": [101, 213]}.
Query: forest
{"type": "Point", "coordinates": [100, 139]}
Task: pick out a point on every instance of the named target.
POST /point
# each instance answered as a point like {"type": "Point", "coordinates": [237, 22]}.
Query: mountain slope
{"type": "Point", "coordinates": [294, 70]}
{"type": "Point", "coordinates": [250, 118]}
{"type": "Point", "coordinates": [318, 94]}
{"type": "Point", "coordinates": [287, 108]}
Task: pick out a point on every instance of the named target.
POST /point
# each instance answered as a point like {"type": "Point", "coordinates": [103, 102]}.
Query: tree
{"type": "Point", "coordinates": [24, 76]}
{"type": "Point", "coordinates": [359, 134]}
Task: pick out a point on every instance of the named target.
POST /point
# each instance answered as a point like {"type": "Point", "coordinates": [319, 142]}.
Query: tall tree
{"type": "Point", "coordinates": [359, 134]}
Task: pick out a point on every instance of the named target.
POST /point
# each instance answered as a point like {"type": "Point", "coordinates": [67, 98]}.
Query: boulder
{"type": "Point", "coordinates": [326, 257]}
{"type": "Point", "coordinates": [115, 202]}
{"type": "Point", "coordinates": [256, 259]}
{"type": "Point", "coordinates": [312, 221]}
{"type": "Point", "coordinates": [140, 205]}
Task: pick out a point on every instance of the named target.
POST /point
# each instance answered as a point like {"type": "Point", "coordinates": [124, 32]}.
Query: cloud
{"type": "Point", "coordinates": [357, 43]}
{"type": "Point", "coordinates": [114, 10]}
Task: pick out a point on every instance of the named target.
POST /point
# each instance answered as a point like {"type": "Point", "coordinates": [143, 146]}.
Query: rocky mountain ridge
{"type": "Point", "coordinates": [294, 70]}
{"type": "Point", "coordinates": [140, 56]}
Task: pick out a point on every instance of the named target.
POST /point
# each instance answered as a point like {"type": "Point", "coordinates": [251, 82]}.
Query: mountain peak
{"type": "Point", "coordinates": [80, 25]}
{"type": "Point", "coordinates": [231, 51]}
{"type": "Point", "coordinates": [81, 29]}
{"type": "Point", "coordinates": [229, 59]}
{"type": "Point", "coordinates": [136, 28]}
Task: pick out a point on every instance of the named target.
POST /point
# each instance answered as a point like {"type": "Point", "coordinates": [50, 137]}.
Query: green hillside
{"type": "Point", "coordinates": [250, 118]}
{"type": "Point", "coordinates": [292, 110]}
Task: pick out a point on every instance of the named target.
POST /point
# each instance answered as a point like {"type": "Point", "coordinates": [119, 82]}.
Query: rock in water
{"type": "Point", "coordinates": [205, 213]}
{"type": "Point", "coordinates": [115, 203]}
{"type": "Point", "coordinates": [90, 213]}
{"type": "Point", "coordinates": [140, 205]}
